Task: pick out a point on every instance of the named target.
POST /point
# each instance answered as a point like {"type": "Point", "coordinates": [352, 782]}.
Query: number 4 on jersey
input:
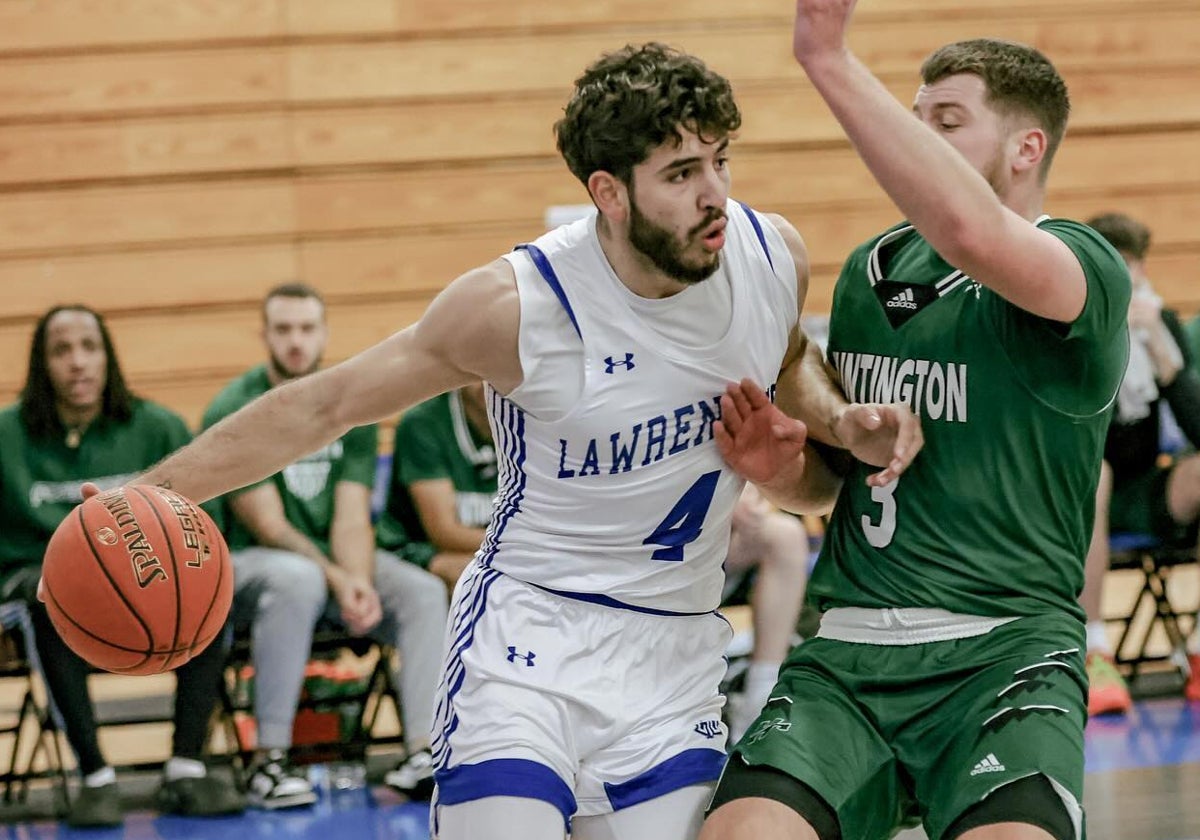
{"type": "Point", "coordinates": [685, 521]}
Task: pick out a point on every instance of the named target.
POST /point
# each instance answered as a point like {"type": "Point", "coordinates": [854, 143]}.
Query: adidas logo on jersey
{"type": "Point", "coordinates": [904, 300]}
{"type": "Point", "coordinates": [989, 764]}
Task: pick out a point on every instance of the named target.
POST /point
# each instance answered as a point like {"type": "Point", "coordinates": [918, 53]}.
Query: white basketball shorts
{"type": "Point", "coordinates": [590, 707]}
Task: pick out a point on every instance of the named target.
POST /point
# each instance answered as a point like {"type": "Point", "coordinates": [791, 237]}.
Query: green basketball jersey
{"type": "Point", "coordinates": [307, 486]}
{"type": "Point", "coordinates": [434, 440]}
{"type": "Point", "coordinates": [994, 515]}
{"type": "Point", "coordinates": [40, 478]}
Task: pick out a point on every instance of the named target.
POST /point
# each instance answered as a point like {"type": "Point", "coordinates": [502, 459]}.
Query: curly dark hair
{"type": "Point", "coordinates": [1019, 80]}
{"type": "Point", "coordinates": [632, 100]}
{"type": "Point", "coordinates": [1127, 235]}
{"type": "Point", "coordinates": [39, 410]}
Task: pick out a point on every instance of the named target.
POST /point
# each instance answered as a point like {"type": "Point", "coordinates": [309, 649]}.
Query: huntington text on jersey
{"type": "Point", "coordinates": [937, 390]}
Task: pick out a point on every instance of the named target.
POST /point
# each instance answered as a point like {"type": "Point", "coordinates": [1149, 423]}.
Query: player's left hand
{"type": "Point", "coordinates": [885, 435]}
{"type": "Point", "coordinates": [755, 438]}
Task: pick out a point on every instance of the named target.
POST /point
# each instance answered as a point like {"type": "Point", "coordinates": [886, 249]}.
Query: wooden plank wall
{"type": "Point", "coordinates": [169, 160]}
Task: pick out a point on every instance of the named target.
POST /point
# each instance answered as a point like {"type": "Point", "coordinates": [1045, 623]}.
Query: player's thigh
{"type": "Point", "coordinates": [1021, 715]}
{"type": "Point", "coordinates": [266, 578]}
{"type": "Point", "coordinates": [813, 731]}
{"type": "Point", "coordinates": [666, 732]}
{"type": "Point", "coordinates": [497, 818]}
{"type": "Point", "coordinates": [503, 693]}
{"type": "Point", "coordinates": [676, 815]}
{"type": "Point", "coordinates": [409, 593]}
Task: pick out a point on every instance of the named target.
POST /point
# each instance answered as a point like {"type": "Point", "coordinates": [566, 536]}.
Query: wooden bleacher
{"type": "Point", "coordinates": [167, 161]}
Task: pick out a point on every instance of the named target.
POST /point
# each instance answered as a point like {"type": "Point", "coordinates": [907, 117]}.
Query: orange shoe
{"type": "Point", "coordinates": [1192, 689]}
{"type": "Point", "coordinates": [1107, 692]}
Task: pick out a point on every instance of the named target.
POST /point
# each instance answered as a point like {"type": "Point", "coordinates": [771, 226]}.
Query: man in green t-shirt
{"type": "Point", "coordinates": [443, 483]}
{"type": "Point", "coordinates": [946, 684]}
{"type": "Point", "coordinates": [303, 548]}
{"type": "Point", "coordinates": [76, 422]}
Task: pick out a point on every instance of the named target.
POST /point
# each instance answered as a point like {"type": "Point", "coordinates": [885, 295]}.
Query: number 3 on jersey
{"type": "Point", "coordinates": [879, 535]}
{"type": "Point", "coordinates": [685, 521]}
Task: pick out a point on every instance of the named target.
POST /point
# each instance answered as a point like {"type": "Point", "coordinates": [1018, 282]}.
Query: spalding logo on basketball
{"type": "Point", "coordinates": [138, 580]}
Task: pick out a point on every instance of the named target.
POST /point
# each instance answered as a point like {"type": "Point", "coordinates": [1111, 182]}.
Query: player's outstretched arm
{"type": "Point", "coordinates": [886, 435]}
{"type": "Point", "coordinates": [935, 187]}
{"type": "Point", "coordinates": [468, 333]}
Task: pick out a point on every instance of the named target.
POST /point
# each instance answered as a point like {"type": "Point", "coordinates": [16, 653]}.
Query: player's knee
{"type": "Point", "coordinates": [787, 542]}
{"type": "Point", "coordinates": [296, 584]}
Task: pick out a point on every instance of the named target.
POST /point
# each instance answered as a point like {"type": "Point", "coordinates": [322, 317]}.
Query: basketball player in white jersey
{"type": "Point", "coordinates": [584, 653]}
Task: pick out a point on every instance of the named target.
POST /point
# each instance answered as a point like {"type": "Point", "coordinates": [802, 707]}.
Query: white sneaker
{"type": "Point", "coordinates": [275, 783]}
{"type": "Point", "coordinates": [414, 776]}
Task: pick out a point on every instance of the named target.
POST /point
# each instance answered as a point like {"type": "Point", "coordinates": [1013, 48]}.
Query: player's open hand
{"type": "Point", "coordinates": [820, 27]}
{"type": "Point", "coordinates": [755, 438]}
{"type": "Point", "coordinates": [884, 435]}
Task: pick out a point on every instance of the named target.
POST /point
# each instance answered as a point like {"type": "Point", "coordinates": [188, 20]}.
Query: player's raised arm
{"type": "Point", "coordinates": [973, 200]}
{"type": "Point", "coordinates": [468, 333]}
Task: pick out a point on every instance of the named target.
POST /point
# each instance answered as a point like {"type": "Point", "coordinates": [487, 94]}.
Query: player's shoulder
{"type": "Point", "coordinates": [1080, 236]}
{"type": "Point", "coordinates": [1100, 261]}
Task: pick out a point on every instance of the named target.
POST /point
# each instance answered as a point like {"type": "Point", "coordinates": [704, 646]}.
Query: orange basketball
{"type": "Point", "coordinates": [137, 580]}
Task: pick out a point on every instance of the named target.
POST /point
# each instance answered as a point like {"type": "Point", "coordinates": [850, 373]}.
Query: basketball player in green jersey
{"type": "Point", "coordinates": [442, 483]}
{"type": "Point", "coordinates": [946, 685]}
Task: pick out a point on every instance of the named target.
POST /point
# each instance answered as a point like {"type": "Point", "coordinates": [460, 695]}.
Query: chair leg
{"type": "Point", "coordinates": [1156, 583]}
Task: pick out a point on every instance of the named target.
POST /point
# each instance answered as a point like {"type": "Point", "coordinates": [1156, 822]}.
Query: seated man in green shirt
{"type": "Point", "coordinates": [443, 483]}
{"type": "Point", "coordinates": [76, 422]}
{"type": "Point", "coordinates": [303, 549]}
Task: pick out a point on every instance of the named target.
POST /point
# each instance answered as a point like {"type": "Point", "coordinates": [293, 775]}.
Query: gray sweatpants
{"type": "Point", "coordinates": [281, 595]}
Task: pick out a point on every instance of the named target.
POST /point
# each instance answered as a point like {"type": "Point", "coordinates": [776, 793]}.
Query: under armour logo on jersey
{"type": "Point", "coordinates": [708, 728]}
{"type": "Point", "coordinates": [973, 286]}
{"type": "Point", "coordinates": [513, 656]}
{"type": "Point", "coordinates": [611, 364]}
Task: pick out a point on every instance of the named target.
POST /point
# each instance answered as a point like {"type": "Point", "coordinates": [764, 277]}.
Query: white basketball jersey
{"type": "Point", "coordinates": [622, 498]}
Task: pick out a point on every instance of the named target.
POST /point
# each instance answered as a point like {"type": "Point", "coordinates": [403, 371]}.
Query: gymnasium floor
{"type": "Point", "coordinates": [1143, 784]}
{"type": "Point", "coordinates": [1143, 771]}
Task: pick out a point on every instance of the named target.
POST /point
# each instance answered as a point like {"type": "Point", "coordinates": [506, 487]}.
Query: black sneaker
{"type": "Point", "coordinates": [96, 807]}
{"type": "Point", "coordinates": [203, 796]}
{"type": "Point", "coordinates": [414, 776]}
{"type": "Point", "coordinates": [275, 783]}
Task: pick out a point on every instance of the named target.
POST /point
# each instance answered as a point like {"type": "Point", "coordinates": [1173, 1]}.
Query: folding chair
{"type": "Point", "coordinates": [1154, 560]}
{"type": "Point", "coordinates": [366, 701]}
{"type": "Point", "coordinates": [19, 661]}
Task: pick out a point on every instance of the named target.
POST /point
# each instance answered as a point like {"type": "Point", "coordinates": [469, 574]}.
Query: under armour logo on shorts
{"type": "Point", "coordinates": [513, 656]}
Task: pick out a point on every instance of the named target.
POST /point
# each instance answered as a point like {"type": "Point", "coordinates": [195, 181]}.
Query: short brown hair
{"type": "Point", "coordinates": [1127, 235]}
{"type": "Point", "coordinates": [293, 289]}
{"type": "Point", "coordinates": [1018, 78]}
{"type": "Point", "coordinates": [631, 101]}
